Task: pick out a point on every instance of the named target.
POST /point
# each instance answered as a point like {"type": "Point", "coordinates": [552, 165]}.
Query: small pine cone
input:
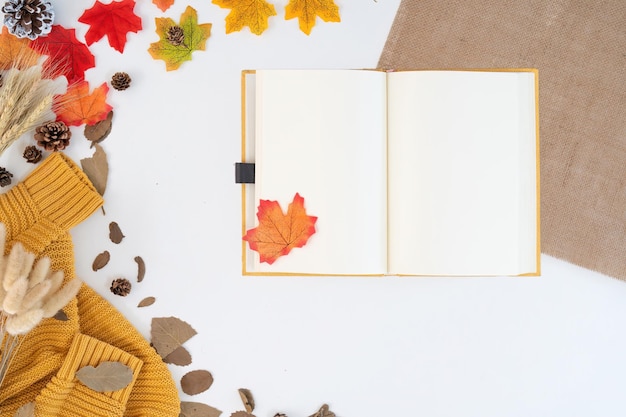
{"type": "Point", "coordinates": [28, 18]}
{"type": "Point", "coordinates": [53, 136]}
{"type": "Point", "coordinates": [176, 35]}
{"type": "Point", "coordinates": [32, 154]}
{"type": "Point", "coordinates": [5, 177]}
{"type": "Point", "coordinates": [121, 286]}
{"type": "Point", "coordinates": [120, 81]}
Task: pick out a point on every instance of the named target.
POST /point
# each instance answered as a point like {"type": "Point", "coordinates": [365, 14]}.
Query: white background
{"type": "Point", "coordinates": [548, 346]}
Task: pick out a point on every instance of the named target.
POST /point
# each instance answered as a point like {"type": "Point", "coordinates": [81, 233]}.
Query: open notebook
{"type": "Point", "coordinates": [408, 173]}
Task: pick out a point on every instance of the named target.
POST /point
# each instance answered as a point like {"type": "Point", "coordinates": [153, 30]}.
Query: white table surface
{"type": "Point", "coordinates": [369, 347]}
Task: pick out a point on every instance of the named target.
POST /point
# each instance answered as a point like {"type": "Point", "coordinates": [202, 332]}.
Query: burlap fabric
{"type": "Point", "coordinates": [579, 47]}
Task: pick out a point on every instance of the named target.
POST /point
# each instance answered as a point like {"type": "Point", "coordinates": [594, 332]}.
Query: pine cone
{"type": "Point", "coordinates": [121, 286]}
{"type": "Point", "coordinates": [32, 154]}
{"type": "Point", "coordinates": [120, 81]}
{"type": "Point", "coordinates": [5, 177]}
{"type": "Point", "coordinates": [53, 136]}
{"type": "Point", "coordinates": [28, 18]}
{"type": "Point", "coordinates": [176, 35]}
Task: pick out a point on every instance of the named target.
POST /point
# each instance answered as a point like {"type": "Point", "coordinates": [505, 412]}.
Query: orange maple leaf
{"type": "Point", "coordinates": [278, 233]}
{"type": "Point", "coordinates": [251, 13]}
{"type": "Point", "coordinates": [15, 52]}
{"type": "Point", "coordinates": [163, 4]}
{"type": "Point", "coordinates": [307, 11]}
{"type": "Point", "coordinates": [77, 106]}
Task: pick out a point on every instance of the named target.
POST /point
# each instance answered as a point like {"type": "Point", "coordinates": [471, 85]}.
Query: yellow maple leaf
{"type": "Point", "coordinates": [251, 13]}
{"type": "Point", "coordinates": [307, 11]}
{"type": "Point", "coordinates": [15, 52]}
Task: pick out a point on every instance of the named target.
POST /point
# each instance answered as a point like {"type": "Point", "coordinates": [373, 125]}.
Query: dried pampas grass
{"type": "Point", "coordinates": [27, 97]}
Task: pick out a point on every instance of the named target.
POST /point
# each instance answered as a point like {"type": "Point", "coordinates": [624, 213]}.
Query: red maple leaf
{"type": "Point", "coordinates": [68, 56]}
{"type": "Point", "coordinates": [278, 233]}
{"type": "Point", "coordinates": [114, 20]}
{"type": "Point", "coordinates": [79, 107]}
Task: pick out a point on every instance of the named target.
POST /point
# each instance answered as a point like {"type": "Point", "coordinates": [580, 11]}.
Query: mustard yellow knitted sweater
{"type": "Point", "coordinates": [39, 212]}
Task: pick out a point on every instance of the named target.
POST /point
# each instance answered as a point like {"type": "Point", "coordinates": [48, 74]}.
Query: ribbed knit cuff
{"type": "Point", "coordinates": [67, 396]}
{"type": "Point", "coordinates": [62, 191]}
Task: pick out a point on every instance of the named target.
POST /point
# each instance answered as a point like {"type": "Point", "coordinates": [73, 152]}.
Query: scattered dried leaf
{"type": "Point", "coordinates": [148, 301]}
{"type": "Point", "coordinates": [195, 37]}
{"type": "Point", "coordinates": [191, 409]}
{"type": "Point", "coordinates": [242, 414]}
{"type": "Point", "coordinates": [324, 411]}
{"type": "Point", "coordinates": [141, 268]}
{"type": "Point", "coordinates": [108, 376]}
{"type": "Point", "coordinates": [115, 233]}
{"type": "Point", "coordinates": [248, 400]}
{"type": "Point", "coordinates": [101, 260]}
{"type": "Point", "coordinates": [180, 357]}
{"type": "Point", "coordinates": [278, 233]}
{"type": "Point", "coordinates": [251, 13]}
{"type": "Point", "coordinates": [169, 333]}
{"type": "Point", "coordinates": [27, 410]}
{"type": "Point", "coordinates": [97, 169]}
{"type": "Point", "coordinates": [307, 11]}
{"type": "Point", "coordinates": [61, 316]}
{"type": "Point", "coordinates": [99, 131]}
{"type": "Point", "coordinates": [195, 382]}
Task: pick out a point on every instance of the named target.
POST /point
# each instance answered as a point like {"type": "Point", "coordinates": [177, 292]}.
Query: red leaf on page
{"type": "Point", "coordinates": [114, 20]}
{"type": "Point", "coordinates": [81, 107]}
{"type": "Point", "coordinates": [68, 56]}
{"type": "Point", "coordinates": [278, 233]}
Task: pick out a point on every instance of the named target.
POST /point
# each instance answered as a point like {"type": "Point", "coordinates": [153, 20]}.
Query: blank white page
{"type": "Point", "coordinates": [462, 173]}
{"type": "Point", "coordinates": [322, 134]}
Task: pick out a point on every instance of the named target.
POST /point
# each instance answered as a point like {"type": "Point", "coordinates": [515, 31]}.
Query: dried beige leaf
{"type": "Point", "coordinates": [324, 411]}
{"type": "Point", "coordinates": [61, 316]}
{"type": "Point", "coordinates": [141, 268]}
{"type": "Point", "coordinates": [180, 357]}
{"type": "Point", "coordinates": [148, 301]}
{"type": "Point", "coordinates": [101, 260]}
{"type": "Point", "coordinates": [169, 333]}
{"type": "Point", "coordinates": [99, 131]}
{"type": "Point", "coordinates": [242, 414]}
{"type": "Point", "coordinates": [248, 400]}
{"type": "Point", "coordinates": [191, 409]}
{"type": "Point", "coordinates": [27, 410]}
{"type": "Point", "coordinates": [195, 382]}
{"type": "Point", "coordinates": [108, 376]}
{"type": "Point", "coordinates": [97, 169]}
{"type": "Point", "coordinates": [115, 233]}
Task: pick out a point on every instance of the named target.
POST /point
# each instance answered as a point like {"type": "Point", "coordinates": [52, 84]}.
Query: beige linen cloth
{"type": "Point", "coordinates": [579, 48]}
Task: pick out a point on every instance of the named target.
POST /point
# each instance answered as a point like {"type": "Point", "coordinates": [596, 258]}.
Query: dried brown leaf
{"type": "Point", "coordinates": [180, 357]}
{"type": "Point", "coordinates": [191, 409]}
{"type": "Point", "coordinates": [61, 316]}
{"type": "Point", "coordinates": [242, 414]}
{"type": "Point", "coordinates": [169, 333]}
{"type": "Point", "coordinates": [108, 376]}
{"type": "Point", "coordinates": [97, 169]}
{"type": "Point", "coordinates": [195, 382]}
{"type": "Point", "coordinates": [27, 410]}
{"type": "Point", "coordinates": [115, 233]}
{"type": "Point", "coordinates": [248, 400]}
{"type": "Point", "coordinates": [101, 260]}
{"type": "Point", "coordinates": [99, 131]}
{"type": "Point", "coordinates": [324, 411]}
{"type": "Point", "coordinates": [148, 301]}
{"type": "Point", "coordinates": [141, 268]}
